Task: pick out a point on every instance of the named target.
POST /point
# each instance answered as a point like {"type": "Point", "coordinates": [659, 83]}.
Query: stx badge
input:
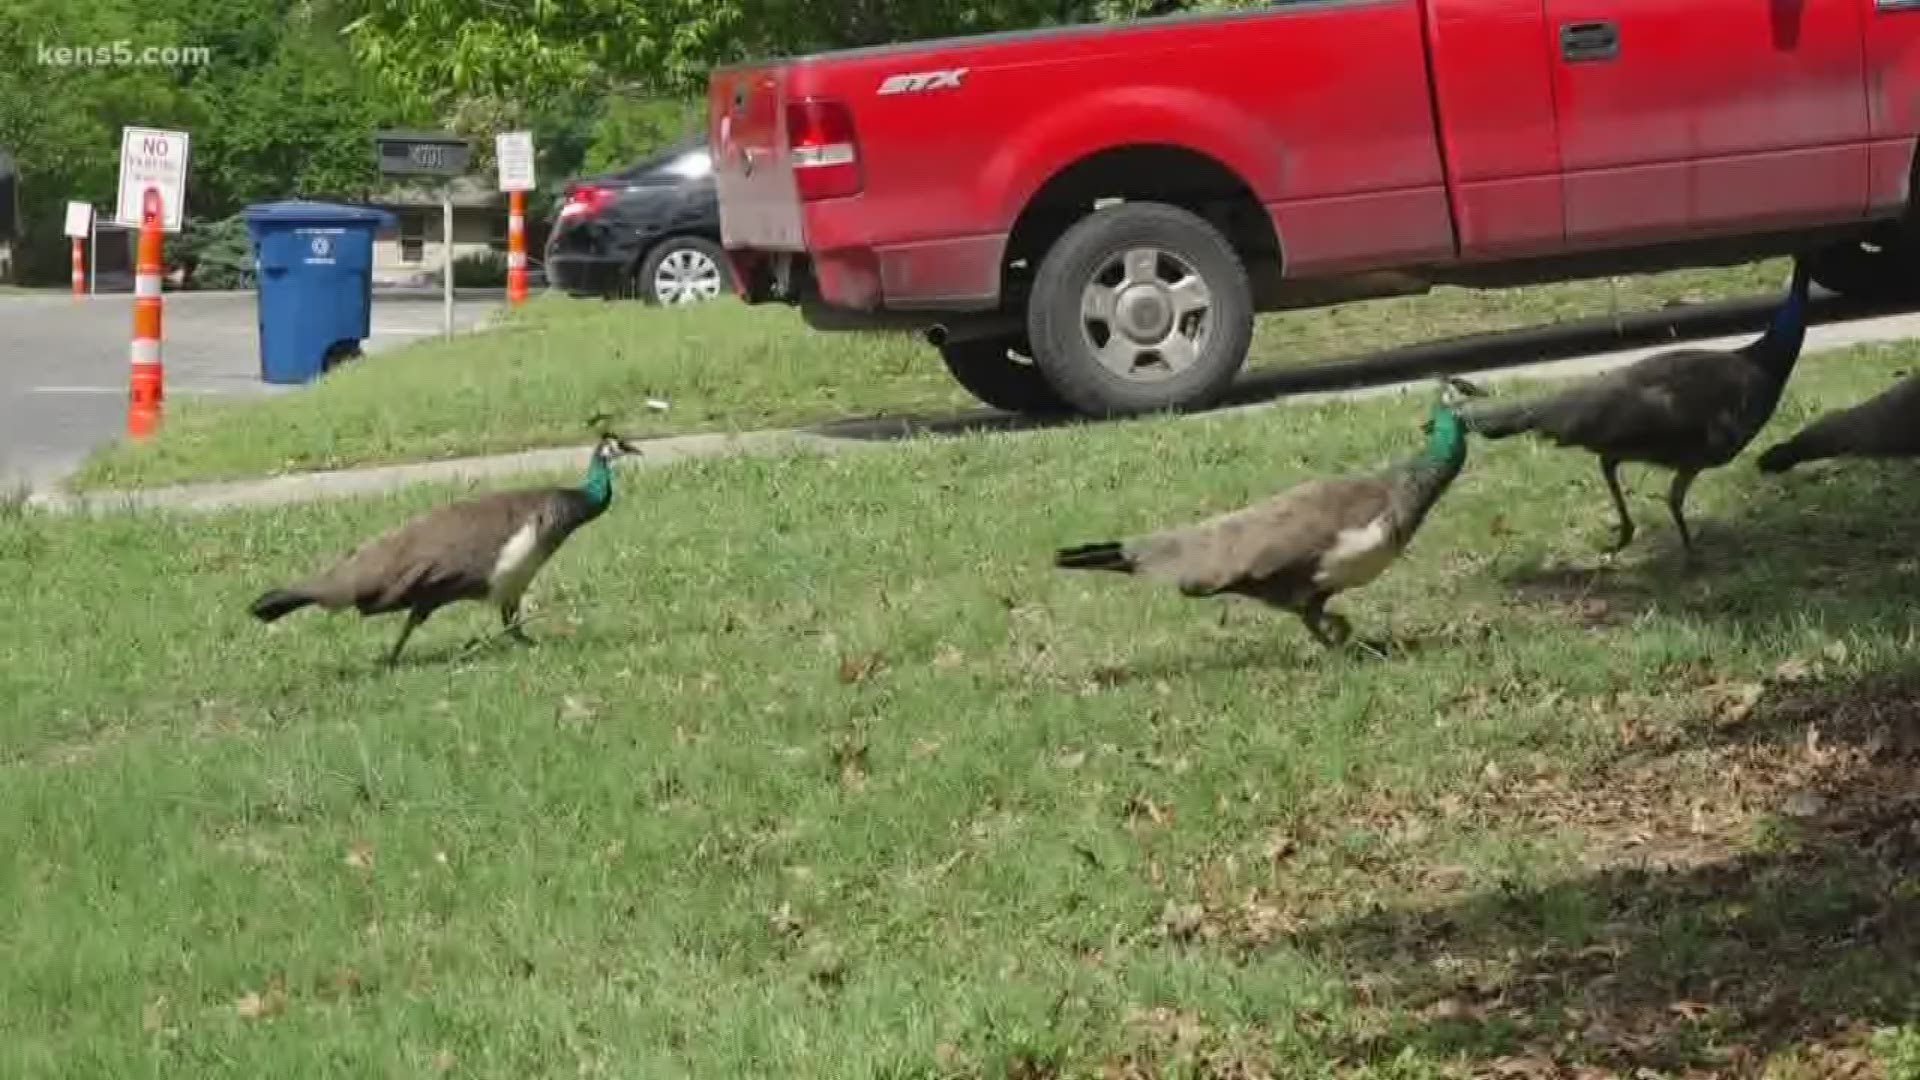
{"type": "Point", "coordinates": [915, 82]}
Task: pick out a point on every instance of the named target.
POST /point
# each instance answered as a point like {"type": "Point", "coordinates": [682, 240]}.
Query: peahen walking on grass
{"type": "Point", "coordinates": [487, 548]}
{"type": "Point", "coordinates": [1686, 410]}
{"type": "Point", "coordinates": [1300, 548]}
{"type": "Point", "coordinates": [1886, 425]}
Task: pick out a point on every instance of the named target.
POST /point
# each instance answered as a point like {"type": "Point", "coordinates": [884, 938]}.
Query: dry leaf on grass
{"type": "Point", "coordinates": [1733, 703]}
{"type": "Point", "coordinates": [1140, 809]}
{"type": "Point", "coordinates": [785, 923]}
{"type": "Point", "coordinates": [577, 710]}
{"type": "Point", "coordinates": [346, 982]}
{"type": "Point", "coordinates": [1186, 923]}
{"type": "Point", "coordinates": [1795, 670]}
{"type": "Point", "coordinates": [856, 669]}
{"type": "Point", "coordinates": [256, 1005]}
{"type": "Point", "coordinates": [850, 762]}
{"type": "Point", "coordinates": [1179, 1027]}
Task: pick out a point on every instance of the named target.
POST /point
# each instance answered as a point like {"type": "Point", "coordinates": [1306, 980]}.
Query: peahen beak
{"type": "Point", "coordinates": [1454, 389]}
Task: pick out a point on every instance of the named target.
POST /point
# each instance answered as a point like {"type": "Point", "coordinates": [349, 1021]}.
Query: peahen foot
{"type": "Point", "coordinates": [1330, 629]}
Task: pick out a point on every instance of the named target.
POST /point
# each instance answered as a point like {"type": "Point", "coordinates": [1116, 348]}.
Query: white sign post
{"type": "Point", "coordinates": [79, 220]}
{"type": "Point", "coordinates": [150, 158]}
{"type": "Point", "coordinates": [514, 151]}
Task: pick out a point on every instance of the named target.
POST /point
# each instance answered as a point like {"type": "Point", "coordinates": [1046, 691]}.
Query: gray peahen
{"type": "Point", "coordinates": [485, 548]}
{"type": "Point", "coordinates": [1298, 549]}
{"type": "Point", "coordinates": [1687, 410]}
{"type": "Point", "coordinates": [1886, 425]}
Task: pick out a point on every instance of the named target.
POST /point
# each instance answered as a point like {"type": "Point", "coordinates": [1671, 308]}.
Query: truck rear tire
{"type": "Point", "coordinates": [1883, 267]}
{"type": "Point", "coordinates": [1140, 307]}
{"type": "Point", "coordinates": [988, 372]}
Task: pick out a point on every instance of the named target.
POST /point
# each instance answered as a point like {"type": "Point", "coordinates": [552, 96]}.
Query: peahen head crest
{"type": "Point", "coordinates": [1446, 434]}
{"type": "Point", "coordinates": [599, 482]}
{"type": "Point", "coordinates": [611, 444]}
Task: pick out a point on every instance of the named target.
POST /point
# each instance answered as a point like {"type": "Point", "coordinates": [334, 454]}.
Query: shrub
{"type": "Point", "coordinates": [215, 254]}
{"type": "Point", "coordinates": [480, 270]}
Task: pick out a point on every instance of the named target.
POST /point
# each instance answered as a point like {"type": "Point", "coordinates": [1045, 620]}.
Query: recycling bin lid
{"type": "Point", "coordinates": [307, 212]}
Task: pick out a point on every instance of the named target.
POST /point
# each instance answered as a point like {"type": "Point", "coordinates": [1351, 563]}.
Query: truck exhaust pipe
{"type": "Point", "coordinates": [973, 328]}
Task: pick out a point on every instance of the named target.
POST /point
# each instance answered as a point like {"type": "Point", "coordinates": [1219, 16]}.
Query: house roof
{"type": "Point", "coordinates": [468, 193]}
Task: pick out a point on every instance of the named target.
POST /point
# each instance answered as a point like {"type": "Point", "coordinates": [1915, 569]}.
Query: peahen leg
{"type": "Point", "coordinates": [1318, 620]}
{"type": "Point", "coordinates": [510, 622]}
{"type": "Point", "coordinates": [1610, 468]}
{"type": "Point", "coordinates": [1677, 506]}
{"type": "Point", "coordinates": [415, 616]}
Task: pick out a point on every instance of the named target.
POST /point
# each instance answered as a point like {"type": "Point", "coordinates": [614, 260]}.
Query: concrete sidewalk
{"type": "Point", "coordinates": [833, 438]}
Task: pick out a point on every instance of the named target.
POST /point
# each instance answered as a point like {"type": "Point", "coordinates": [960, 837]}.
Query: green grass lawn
{"type": "Point", "coordinates": [727, 367]}
{"type": "Point", "coordinates": [820, 770]}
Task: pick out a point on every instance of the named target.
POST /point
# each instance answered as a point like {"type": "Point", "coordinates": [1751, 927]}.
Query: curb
{"type": "Point", "coordinates": [1557, 351]}
{"type": "Point", "coordinates": [350, 483]}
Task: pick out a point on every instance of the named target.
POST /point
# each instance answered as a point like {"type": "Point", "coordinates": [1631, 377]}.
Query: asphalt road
{"type": "Point", "coordinates": [63, 365]}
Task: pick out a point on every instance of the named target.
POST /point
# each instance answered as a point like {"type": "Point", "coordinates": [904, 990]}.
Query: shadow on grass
{"type": "Point", "coordinates": [1828, 543]}
{"type": "Point", "coordinates": [1793, 927]}
{"type": "Point", "coordinates": [1686, 952]}
{"type": "Point", "coordinates": [1447, 356]}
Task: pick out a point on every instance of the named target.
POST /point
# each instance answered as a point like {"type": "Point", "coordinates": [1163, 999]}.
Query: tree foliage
{"type": "Point", "coordinates": [438, 51]}
{"type": "Point", "coordinates": [630, 127]}
{"type": "Point", "coordinates": [295, 88]}
{"type": "Point", "coordinates": [283, 108]}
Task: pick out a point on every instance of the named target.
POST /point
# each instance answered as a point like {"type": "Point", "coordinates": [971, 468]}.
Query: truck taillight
{"type": "Point", "coordinates": [822, 149]}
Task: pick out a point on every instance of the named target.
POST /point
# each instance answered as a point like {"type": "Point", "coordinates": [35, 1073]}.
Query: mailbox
{"type": "Point", "coordinates": [422, 153]}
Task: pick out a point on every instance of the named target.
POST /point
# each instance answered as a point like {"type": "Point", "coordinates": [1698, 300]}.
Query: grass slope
{"type": "Point", "coordinates": [819, 770]}
{"type": "Point", "coordinates": [727, 367]}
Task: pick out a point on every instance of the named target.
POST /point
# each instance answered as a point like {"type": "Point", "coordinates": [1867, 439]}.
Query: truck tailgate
{"type": "Point", "coordinates": [760, 207]}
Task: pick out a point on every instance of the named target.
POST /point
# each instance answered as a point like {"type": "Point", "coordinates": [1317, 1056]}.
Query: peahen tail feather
{"type": "Point", "coordinates": [1105, 555]}
{"type": "Point", "coordinates": [277, 602]}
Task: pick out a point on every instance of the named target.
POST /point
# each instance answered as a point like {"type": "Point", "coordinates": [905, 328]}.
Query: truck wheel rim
{"type": "Point", "coordinates": [1147, 314]}
{"type": "Point", "coordinates": [686, 276]}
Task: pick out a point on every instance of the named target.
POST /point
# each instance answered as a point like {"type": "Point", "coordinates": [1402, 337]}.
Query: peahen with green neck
{"type": "Point", "coordinates": [1687, 410]}
{"type": "Point", "coordinates": [1300, 548]}
{"type": "Point", "coordinates": [487, 548]}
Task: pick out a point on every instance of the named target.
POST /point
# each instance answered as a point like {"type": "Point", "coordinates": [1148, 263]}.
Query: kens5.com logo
{"type": "Point", "coordinates": [121, 54]}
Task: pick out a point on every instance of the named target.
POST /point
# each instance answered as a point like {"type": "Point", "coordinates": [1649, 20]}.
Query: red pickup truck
{"type": "Point", "coordinates": [1088, 218]}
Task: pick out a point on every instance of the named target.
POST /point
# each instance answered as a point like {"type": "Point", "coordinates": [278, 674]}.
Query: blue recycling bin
{"type": "Point", "coordinates": [313, 273]}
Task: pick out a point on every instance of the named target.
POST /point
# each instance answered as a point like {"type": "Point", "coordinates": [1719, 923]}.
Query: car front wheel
{"type": "Point", "coordinates": [683, 270]}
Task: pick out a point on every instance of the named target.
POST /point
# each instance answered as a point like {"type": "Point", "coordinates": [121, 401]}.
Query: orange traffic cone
{"type": "Point", "coordinates": [516, 247]}
{"type": "Point", "coordinates": [147, 377]}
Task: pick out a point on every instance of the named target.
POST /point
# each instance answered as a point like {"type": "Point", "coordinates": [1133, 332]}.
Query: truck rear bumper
{"type": "Point", "coordinates": [931, 276]}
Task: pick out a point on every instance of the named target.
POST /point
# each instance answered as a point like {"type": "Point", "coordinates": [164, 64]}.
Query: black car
{"type": "Point", "coordinates": [651, 229]}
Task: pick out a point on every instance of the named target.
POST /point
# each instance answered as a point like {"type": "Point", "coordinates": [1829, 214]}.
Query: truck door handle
{"type": "Point", "coordinates": [1589, 41]}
